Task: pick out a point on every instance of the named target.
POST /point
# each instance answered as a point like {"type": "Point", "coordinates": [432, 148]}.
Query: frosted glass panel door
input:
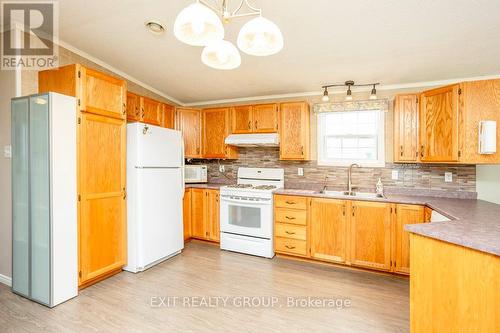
{"type": "Point", "coordinates": [40, 198]}
{"type": "Point", "coordinates": [20, 197]}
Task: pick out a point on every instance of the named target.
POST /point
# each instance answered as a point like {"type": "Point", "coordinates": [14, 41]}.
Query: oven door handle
{"type": "Point", "coordinates": [248, 202]}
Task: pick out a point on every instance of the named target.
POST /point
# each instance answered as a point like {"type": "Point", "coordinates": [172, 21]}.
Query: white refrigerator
{"type": "Point", "coordinates": [155, 182]}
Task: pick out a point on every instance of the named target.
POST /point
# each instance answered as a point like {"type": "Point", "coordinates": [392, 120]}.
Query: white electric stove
{"type": "Point", "coordinates": [246, 211]}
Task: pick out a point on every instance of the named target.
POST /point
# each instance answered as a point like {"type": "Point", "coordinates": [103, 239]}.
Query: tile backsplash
{"type": "Point", "coordinates": [421, 179]}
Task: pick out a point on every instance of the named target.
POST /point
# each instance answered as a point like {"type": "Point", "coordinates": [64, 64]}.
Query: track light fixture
{"type": "Point", "coordinates": [349, 84]}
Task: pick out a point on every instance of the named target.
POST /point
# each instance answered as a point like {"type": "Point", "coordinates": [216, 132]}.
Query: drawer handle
{"type": "Point", "coordinates": [290, 247]}
{"type": "Point", "coordinates": [291, 202]}
{"type": "Point", "coordinates": [290, 217]}
{"type": "Point", "coordinates": [289, 232]}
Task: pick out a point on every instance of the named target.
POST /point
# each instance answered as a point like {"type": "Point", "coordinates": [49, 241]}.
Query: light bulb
{"type": "Point", "coordinates": [325, 97]}
{"type": "Point", "coordinates": [373, 94]}
{"type": "Point", "coordinates": [348, 97]}
{"type": "Point", "coordinates": [198, 26]}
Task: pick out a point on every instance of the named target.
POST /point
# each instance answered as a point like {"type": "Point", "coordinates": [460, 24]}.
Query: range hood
{"type": "Point", "coordinates": [253, 140]}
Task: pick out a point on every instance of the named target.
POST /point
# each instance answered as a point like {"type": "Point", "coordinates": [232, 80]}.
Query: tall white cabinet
{"type": "Point", "coordinates": [44, 198]}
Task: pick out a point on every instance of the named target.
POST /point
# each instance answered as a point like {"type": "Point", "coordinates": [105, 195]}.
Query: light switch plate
{"type": "Point", "coordinates": [7, 151]}
{"type": "Point", "coordinates": [300, 171]}
{"type": "Point", "coordinates": [395, 174]}
{"type": "Point", "coordinates": [448, 177]}
{"type": "Point", "coordinates": [222, 168]}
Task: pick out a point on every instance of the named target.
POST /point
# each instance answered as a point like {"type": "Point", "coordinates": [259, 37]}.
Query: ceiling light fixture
{"type": "Point", "coordinates": [325, 97]}
{"type": "Point", "coordinates": [200, 24]}
{"type": "Point", "coordinates": [349, 84]}
{"type": "Point", "coordinates": [221, 55]}
{"type": "Point", "coordinates": [155, 27]}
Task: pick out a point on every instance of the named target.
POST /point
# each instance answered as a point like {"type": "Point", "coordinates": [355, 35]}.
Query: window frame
{"type": "Point", "coordinates": [323, 161]}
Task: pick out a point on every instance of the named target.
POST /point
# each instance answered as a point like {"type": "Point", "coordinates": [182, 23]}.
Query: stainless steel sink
{"type": "Point", "coordinates": [361, 195]}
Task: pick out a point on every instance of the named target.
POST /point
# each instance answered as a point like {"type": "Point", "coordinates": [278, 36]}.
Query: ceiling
{"type": "Point", "coordinates": [326, 41]}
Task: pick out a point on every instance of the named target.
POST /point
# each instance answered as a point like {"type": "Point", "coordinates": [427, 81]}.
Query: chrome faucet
{"type": "Point", "coordinates": [325, 185]}
{"type": "Point", "coordinates": [349, 181]}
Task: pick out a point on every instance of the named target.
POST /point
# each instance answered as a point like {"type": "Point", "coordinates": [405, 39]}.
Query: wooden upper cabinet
{"type": "Point", "coordinates": [188, 121]}
{"type": "Point", "coordinates": [242, 119]}
{"type": "Point", "coordinates": [152, 111]}
{"type": "Point", "coordinates": [294, 131]}
{"type": "Point", "coordinates": [328, 229]}
{"type": "Point", "coordinates": [404, 214]}
{"type": "Point", "coordinates": [371, 235]}
{"type": "Point", "coordinates": [102, 94]}
{"type": "Point", "coordinates": [133, 107]}
{"type": "Point", "coordinates": [265, 118]}
{"type": "Point", "coordinates": [96, 92]}
{"type": "Point", "coordinates": [439, 116]}
{"type": "Point", "coordinates": [168, 116]}
{"type": "Point", "coordinates": [406, 128]}
{"type": "Point", "coordinates": [215, 131]}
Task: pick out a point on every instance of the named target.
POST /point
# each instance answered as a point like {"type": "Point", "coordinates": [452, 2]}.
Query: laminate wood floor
{"type": "Point", "coordinates": [131, 302]}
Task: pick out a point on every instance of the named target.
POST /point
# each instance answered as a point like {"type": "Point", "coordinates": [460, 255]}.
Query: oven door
{"type": "Point", "coordinates": [246, 217]}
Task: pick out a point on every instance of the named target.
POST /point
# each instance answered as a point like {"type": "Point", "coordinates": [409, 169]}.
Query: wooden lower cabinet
{"type": "Point", "coordinates": [371, 234]}
{"type": "Point", "coordinates": [404, 214]}
{"type": "Point", "coordinates": [186, 213]}
{"type": "Point", "coordinates": [358, 233]}
{"type": "Point", "coordinates": [328, 237]}
{"type": "Point", "coordinates": [205, 214]}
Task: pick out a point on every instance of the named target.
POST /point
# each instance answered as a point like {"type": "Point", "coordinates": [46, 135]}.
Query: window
{"type": "Point", "coordinates": [351, 137]}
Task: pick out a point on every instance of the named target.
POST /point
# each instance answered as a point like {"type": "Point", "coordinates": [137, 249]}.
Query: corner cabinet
{"type": "Point", "coordinates": [294, 131]}
{"type": "Point", "coordinates": [439, 109]}
{"type": "Point", "coordinates": [406, 128]}
{"type": "Point", "coordinates": [188, 121]}
{"type": "Point", "coordinates": [101, 156]}
{"type": "Point", "coordinates": [149, 111]}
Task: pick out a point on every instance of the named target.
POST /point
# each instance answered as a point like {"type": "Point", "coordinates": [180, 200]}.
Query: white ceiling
{"type": "Point", "coordinates": [326, 41]}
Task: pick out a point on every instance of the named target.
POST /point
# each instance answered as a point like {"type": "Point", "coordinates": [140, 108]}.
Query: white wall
{"type": "Point", "coordinates": [488, 183]}
{"type": "Point", "coordinates": [7, 91]}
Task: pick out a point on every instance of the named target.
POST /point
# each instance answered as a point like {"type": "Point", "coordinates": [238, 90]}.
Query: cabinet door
{"type": "Point", "coordinates": [102, 94]}
{"type": "Point", "coordinates": [102, 227]}
{"type": "Point", "coordinates": [189, 123]}
{"type": "Point", "coordinates": [404, 214]}
{"type": "Point", "coordinates": [133, 107]}
{"type": "Point", "coordinates": [168, 116]}
{"type": "Point", "coordinates": [294, 133]}
{"type": "Point", "coordinates": [198, 222]}
{"type": "Point", "coordinates": [406, 128]}
{"type": "Point", "coordinates": [151, 111]}
{"type": "Point", "coordinates": [371, 235]}
{"type": "Point", "coordinates": [265, 118]}
{"type": "Point", "coordinates": [187, 213]}
{"type": "Point", "coordinates": [439, 124]}
{"type": "Point", "coordinates": [242, 119]}
{"type": "Point", "coordinates": [213, 228]}
{"type": "Point", "coordinates": [215, 131]}
{"type": "Point", "coordinates": [328, 229]}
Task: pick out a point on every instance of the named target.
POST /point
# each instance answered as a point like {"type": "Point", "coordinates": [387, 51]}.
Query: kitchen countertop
{"type": "Point", "coordinates": [211, 186]}
{"type": "Point", "coordinates": [474, 223]}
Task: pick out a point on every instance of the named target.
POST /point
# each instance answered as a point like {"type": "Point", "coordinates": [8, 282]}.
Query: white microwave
{"type": "Point", "coordinates": [195, 174]}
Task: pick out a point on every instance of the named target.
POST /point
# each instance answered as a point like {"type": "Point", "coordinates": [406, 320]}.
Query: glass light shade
{"type": "Point", "coordinates": [373, 94]}
{"type": "Point", "coordinates": [260, 37]}
{"type": "Point", "coordinates": [198, 25]}
{"type": "Point", "coordinates": [221, 55]}
{"type": "Point", "coordinates": [325, 97]}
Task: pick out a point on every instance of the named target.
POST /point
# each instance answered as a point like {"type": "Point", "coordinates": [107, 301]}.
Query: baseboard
{"type": "Point", "coordinates": [6, 280]}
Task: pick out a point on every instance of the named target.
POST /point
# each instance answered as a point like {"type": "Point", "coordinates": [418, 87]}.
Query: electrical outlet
{"type": "Point", "coordinates": [222, 168]}
{"type": "Point", "coordinates": [300, 171]}
{"type": "Point", "coordinates": [7, 151]}
{"type": "Point", "coordinates": [448, 177]}
{"type": "Point", "coordinates": [395, 174]}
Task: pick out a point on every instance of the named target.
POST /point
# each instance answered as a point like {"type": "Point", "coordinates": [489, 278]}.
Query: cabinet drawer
{"type": "Point", "coordinates": [291, 246]}
{"type": "Point", "coordinates": [286, 230]}
{"type": "Point", "coordinates": [290, 201]}
{"type": "Point", "coordinates": [291, 216]}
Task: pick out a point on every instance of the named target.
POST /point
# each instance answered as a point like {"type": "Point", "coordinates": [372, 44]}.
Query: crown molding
{"type": "Point", "coordinates": [319, 92]}
{"type": "Point", "coordinates": [116, 71]}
